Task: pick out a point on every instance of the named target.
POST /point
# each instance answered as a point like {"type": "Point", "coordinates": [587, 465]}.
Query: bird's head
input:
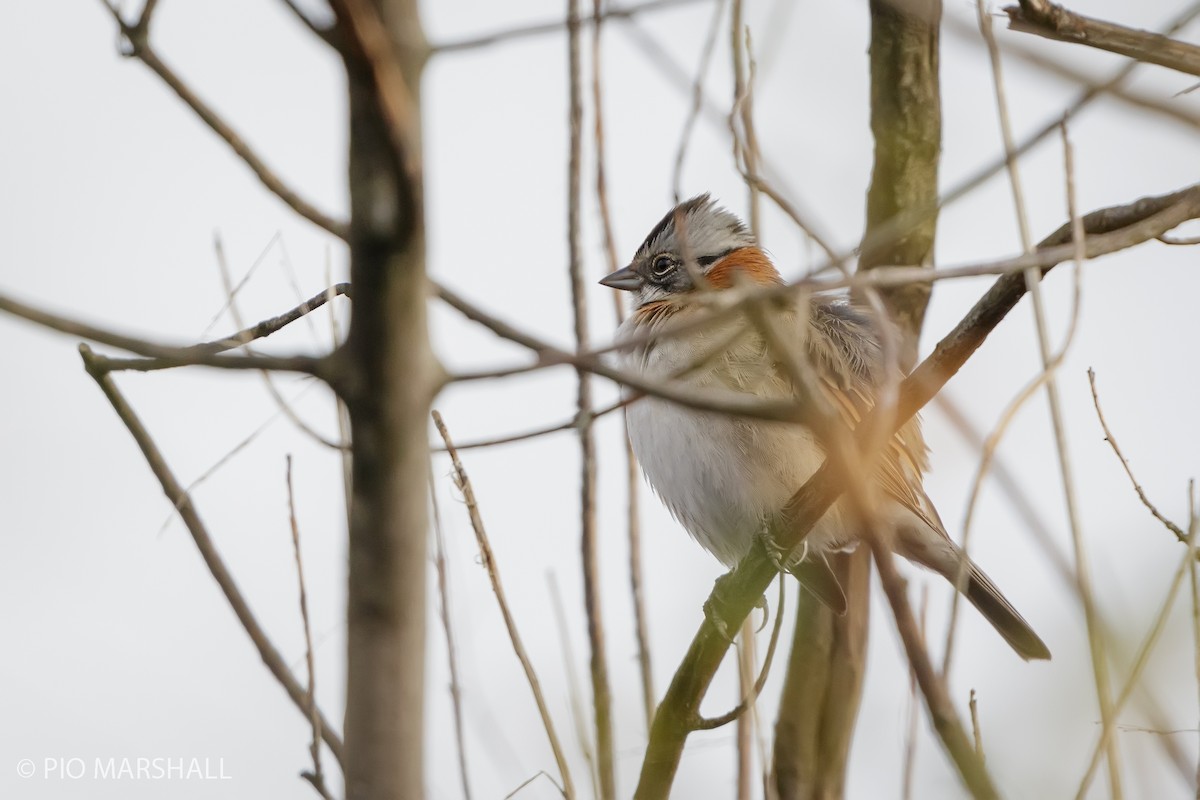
{"type": "Point", "coordinates": [696, 238]}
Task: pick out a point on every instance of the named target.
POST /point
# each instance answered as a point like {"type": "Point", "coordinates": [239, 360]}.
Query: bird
{"type": "Point", "coordinates": [723, 477]}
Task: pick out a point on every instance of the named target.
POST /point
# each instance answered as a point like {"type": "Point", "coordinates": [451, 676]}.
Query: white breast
{"type": "Point", "coordinates": [721, 477]}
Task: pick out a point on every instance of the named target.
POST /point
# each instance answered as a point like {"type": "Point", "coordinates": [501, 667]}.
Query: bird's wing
{"type": "Point", "coordinates": [900, 465]}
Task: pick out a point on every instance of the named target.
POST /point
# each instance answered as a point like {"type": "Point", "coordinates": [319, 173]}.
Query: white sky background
{"type": "Point", "coordinates": [118, 642]}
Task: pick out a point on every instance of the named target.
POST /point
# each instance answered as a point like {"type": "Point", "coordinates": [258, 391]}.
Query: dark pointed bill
{"type": "Point", "coordinates": [624, 278]}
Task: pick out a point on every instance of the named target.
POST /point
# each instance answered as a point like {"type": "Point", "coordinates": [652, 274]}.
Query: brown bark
{"type": "Point", "coordinates": [387, 376]}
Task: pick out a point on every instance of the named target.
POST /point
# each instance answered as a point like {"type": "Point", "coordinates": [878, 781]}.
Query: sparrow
{"type": "Point", "coordinates": [725, 478]}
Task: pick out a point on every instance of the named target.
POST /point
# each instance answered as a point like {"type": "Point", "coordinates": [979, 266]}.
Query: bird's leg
{"type": "Point", "coordinates": [783, 560]}
{"type": "Point", "coordinates": [713, 614]}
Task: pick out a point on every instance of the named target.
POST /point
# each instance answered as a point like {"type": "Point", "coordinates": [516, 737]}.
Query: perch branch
{"type": "Point", "coordinates": [736, 593]}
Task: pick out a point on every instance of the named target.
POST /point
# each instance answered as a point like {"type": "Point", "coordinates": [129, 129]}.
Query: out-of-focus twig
{"type": "Point", "coordinates": [555, 26]}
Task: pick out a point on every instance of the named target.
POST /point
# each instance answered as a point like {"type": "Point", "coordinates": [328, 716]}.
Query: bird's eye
{"type": "Point", "coordinates": [663, 265]}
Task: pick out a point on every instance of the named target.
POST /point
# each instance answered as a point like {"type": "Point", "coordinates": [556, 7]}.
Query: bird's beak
{"type": "Point", "coordinates": [624, 278]}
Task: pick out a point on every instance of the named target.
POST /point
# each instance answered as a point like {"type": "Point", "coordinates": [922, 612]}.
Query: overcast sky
{"type": "Point", "coordinates": [117, 642]}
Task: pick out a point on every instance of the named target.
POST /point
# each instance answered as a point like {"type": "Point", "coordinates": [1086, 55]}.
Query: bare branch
{"type": "Point", "coordinates": [1139, 665]}
{"type": "Point", "coordinates": [1055, 22]}
{"type": "Point", "coordinates": [443, 584]}
{"type": "Point", "coordinates": [945, 720]}
{"type": "Point", "coordinates": [1137, 487]}
{"type": "Point", "coordinates": [168, 355]}
{"type": "Point", "coordinates": [317, 776]}
{"type": "Point", "coordinates": [554, 26]}
{"type": "Point", "coordinates": [216, 566]}
{"type": "Point", "coordinates": [493, 570]}
{"type": "Point", "coordinates": [139, 44]}
{"type": "Point", "coordinates": [590, 558]}
{"type": "Point", "coordinates": [255, 332]}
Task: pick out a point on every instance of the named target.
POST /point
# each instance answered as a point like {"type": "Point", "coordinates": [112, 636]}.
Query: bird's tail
{"type": "Point", "coordinates": [983, 594]}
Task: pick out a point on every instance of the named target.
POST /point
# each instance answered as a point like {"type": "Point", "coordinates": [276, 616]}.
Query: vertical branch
{"type": "Point", "coordinates": [823, 688]}
{"type": "Point", "coordinates": [601, 696]}
{"type": "Point", "coordinates": [632, 518]}
{"type": "Point", "coordinates": [906, 120]}
{"type": "Point", "coordinates": [745, 146]}
{"type": "Point", "coordinates": [387, 375]}
{"type": "Point", "coordinates": [824, 682]}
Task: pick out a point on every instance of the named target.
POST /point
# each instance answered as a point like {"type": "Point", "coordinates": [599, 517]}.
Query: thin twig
{"type": "Point", "coordinates": [571, 424]}
{"type": "Point", "coordinates": [208, 551]}
{"type": "Point", "coordinates": [744, 734]}
{"type": "Point", "coordinates": [175, 355]}
{"type": "Point", "coordinates": [443, 583]}
{"type": "Point", "coordinates": [937, 699]}
{"type": "Point", "coordinates": [582, 735]}
{"type": "Point", "coordinates": [632, 484]}
{"type": "Point", "coordinates": [689, 123]}
{"type": "Point", "coordinates": [1034, 56]}
{"type": "Point", "coordinates": [489, 561]}
{"type": "Point", "coordinates": [139, 47]}
{"type": "Point", "coordinates": [976, 733]}
{"type": "Point", "coordinates": [553, 26]}
{"type": "Point", "coordinates": [1139, 665]}
{"type": "Point", "coordinates": [317, 776]}
{"type": "Point", "coordinates": [280, 401]}
{"type": "Point", "coordinates": [752, 691]}
{"type": "Point", "coordinates": [1137, 487]}
{"type": "Point", "coordinates": [1062, 568]}
{"type": "Point", "coordinates": [992, 442]}
{"type": "Point", "coordinates": [910, 734]}
{"type": "Point", "coordinates": [1142, 227]}
{"type": "Point", "coordinates": [255, 332]}
{"type": "Point", "coordinates": [601, 693]}
{"type": "Point", "coordinates": [745, 145]}
{"type": "Point", "coordinates": [1096, 641]}
{"type": "Point", "coordinates": [1193, 532]}
{"type": "Point", "coordinates": [541, 773]}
